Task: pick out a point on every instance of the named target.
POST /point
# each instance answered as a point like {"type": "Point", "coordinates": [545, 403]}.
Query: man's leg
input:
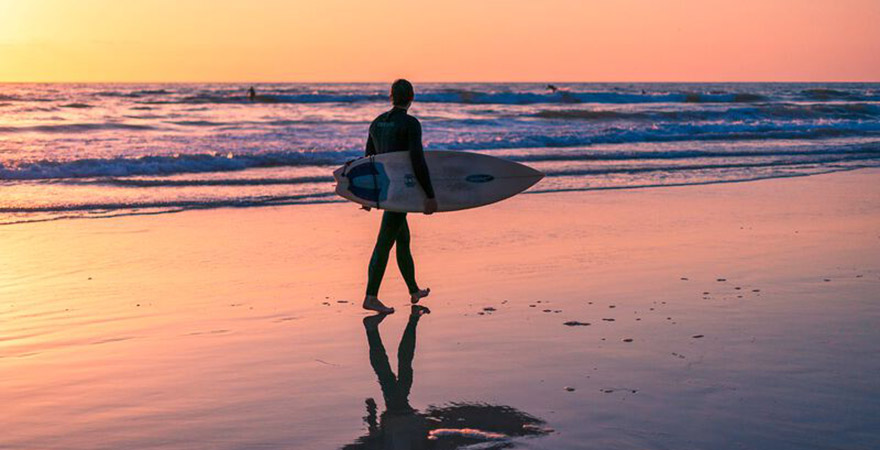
{"type": "Point", "coordinates": [405, 259]}
{"type": "Point", "coordinates": [406, 264]}
{"type": "Point", "coordinates": [391, 223]}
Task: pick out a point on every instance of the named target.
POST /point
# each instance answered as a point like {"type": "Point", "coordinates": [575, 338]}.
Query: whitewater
{"type": "Point", "coordinates": [99, 150]}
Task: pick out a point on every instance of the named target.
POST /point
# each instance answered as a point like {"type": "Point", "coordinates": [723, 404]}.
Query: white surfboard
{"type": "Point", "coordinates": [461, 180]}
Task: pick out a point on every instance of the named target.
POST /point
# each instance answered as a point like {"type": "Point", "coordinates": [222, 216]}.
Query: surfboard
{"type": "Point", "coordinates": [461, 180]}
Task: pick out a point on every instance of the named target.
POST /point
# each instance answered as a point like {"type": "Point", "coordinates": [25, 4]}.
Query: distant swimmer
{"type": "Point", "coordinates": [397, 131]}
{"type": "Point", "coordinates": [552, 88]}
{"type": "Point", "coordinates": [252, 94]}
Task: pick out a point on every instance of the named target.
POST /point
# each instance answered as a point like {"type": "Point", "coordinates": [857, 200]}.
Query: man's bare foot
{"type": "Point", "coordinates": [372, 303]}
{"type": "Point", "coordinates": [418, 295]}
{"type": "Point", "coordinates": [419, 310]}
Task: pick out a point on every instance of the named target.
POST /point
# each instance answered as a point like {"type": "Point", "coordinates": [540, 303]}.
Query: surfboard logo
{"type": "Point", "coordinates": [479, 178]}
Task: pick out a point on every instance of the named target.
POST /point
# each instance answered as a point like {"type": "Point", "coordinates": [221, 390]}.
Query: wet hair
{"type": "Point", "coordinates": [402, 92]}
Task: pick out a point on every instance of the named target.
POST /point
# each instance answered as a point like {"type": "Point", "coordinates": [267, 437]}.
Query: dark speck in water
{"type": "Point", "coordinates": [697, 336]}
{"type": "Point", "coordinates": [575, 323]}
{"type": "Point", "coordinates": [628, 340]}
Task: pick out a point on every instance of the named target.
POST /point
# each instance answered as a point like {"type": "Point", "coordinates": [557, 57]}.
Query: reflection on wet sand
{"type": "Point", "coordinates": [451, 426]}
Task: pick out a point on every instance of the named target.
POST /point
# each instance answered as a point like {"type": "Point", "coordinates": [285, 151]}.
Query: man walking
{"type": "Point", "coordinates": [397, 131]}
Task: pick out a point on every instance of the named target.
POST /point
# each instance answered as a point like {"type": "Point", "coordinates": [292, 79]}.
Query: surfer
{"type": "Point", "coordinates": [397, 131]}
{"type": "Point", "coordinates": [252, 94]}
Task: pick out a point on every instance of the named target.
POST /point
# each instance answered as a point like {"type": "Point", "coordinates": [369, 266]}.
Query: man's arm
{"type": "Point", "coordinates": [371, 148]}
{"type": "Point", "coordinates": [369, 151]}
{"type": "Point", "coordinates": [417, 156]}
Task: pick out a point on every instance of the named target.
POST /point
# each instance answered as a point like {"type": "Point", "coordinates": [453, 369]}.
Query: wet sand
{"type": "Point", "coordinates": [721, 316]}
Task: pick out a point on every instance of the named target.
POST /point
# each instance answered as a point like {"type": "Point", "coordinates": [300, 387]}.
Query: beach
{"type": "Point", "coordinates": [725, 316]}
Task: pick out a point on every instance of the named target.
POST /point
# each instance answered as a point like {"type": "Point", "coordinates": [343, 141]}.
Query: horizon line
{"type": "Point", "coordinates": [255, 82]}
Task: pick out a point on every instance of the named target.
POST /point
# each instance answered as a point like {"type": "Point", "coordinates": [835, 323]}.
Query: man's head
{"type": "Point", "coordinates": [402, 93]}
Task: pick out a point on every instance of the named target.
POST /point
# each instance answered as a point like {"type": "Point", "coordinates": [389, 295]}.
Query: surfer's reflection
{"type": "Point", "coordinates": [450, 426]}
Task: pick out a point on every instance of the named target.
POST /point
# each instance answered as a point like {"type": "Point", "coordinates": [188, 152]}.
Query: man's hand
{"type": "Point", "coordinates": [430, 205]}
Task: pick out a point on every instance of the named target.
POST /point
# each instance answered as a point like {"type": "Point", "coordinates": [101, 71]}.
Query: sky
{"type": "Point", "coordinates": [448, 40]}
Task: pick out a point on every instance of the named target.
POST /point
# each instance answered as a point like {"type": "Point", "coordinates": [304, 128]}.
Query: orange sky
{"type": "Point", "coordinates": [441, 40]}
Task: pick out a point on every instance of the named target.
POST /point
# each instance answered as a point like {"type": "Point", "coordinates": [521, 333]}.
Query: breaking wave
{"type": "Point", "coordinates": [160, 165]}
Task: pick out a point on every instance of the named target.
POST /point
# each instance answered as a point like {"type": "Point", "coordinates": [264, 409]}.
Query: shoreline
{"type": "Point", "coordinates": [336, 200]}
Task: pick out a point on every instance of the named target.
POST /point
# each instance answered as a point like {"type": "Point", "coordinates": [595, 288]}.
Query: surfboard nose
{"type": "Point", "coordinates": [529, 173]}
{"type": "Point", "coordinates": [536, 173]}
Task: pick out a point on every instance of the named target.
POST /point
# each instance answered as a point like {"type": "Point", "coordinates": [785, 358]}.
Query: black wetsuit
{"type": "Point", "coordinates": [396, 131]}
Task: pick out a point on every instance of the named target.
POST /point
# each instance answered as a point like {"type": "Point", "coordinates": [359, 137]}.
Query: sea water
{"type": "Point", "coordinates": [95, 150]}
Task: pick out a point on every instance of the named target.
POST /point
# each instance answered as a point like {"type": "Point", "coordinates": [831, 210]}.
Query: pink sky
{"type": "Point", "coordinates": [451, 40]}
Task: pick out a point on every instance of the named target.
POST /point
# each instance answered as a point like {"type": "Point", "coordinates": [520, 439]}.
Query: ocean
{"type": "Point", "coordinates": [99, 150]}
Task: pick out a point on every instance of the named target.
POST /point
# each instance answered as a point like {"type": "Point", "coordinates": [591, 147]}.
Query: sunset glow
{"type": "Point", "coordinates": [335, 40]}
